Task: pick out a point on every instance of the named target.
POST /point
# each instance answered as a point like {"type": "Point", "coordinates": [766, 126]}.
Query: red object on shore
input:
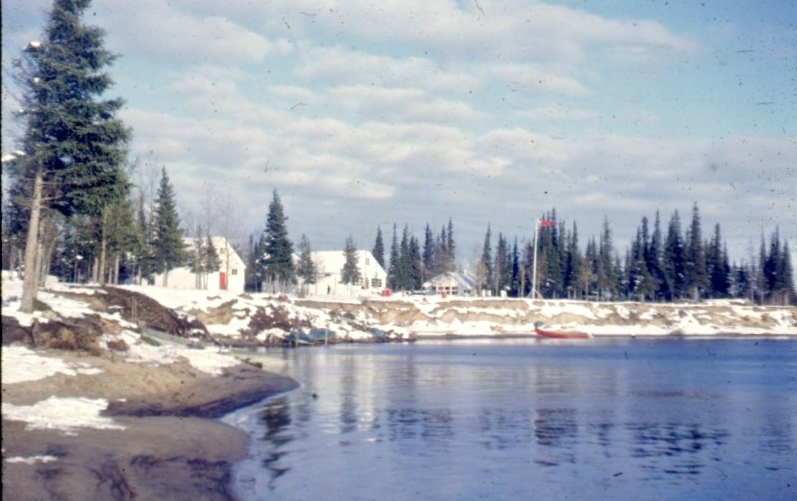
{"type": "Point", "coordinates": [387, 292]}
{"type": "Point", "coordinates": [560, 335]}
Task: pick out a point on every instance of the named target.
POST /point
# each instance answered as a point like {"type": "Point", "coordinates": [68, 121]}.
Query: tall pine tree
{"type": "Point", "coordinates": [73, 146]}
{"type": "Point", "coordinates": [379, 248]}
{"type": "Point", "coordinates": [168, 248]}
{"type": "Point", "coordinates": [277, 261]}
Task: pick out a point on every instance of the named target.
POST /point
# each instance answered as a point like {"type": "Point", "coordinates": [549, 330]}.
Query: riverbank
{"type": "Point", "coordinates": [105, 428]}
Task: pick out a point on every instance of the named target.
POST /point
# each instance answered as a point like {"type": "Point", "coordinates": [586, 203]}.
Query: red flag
{"type": "Point", "coordinates": [545, 223]}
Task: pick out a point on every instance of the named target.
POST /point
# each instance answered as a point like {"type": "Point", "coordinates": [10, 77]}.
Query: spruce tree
{"type": "Point", "coordinates": [415, 270]}
{"type": "Point", "coordinates": [379, 248]}
{"type": "Point", "coordinates": [429, 264]}
{"type": "Point", "coordinates": [350, 273]}
{"type": "Point", "coordinates": [674, 261]}
{"type": "Point", "coordinates": [394, 269]}
{"type": "Point", "coordinates": [277, 261]}
{"type": "Point", "coordinates": [451, 248]}
{"type": "Point", "coordinates": [405, 263]}
{"type": "Point", "coordinates": [486, 281]}
{"type": "Point", "coordinates": [306, 269]}
{"type": "Point", "coordinates": [503, 265]}
{"type": "Point", "coordinates": [695, 269]}
{"type": "Point", "coordinates": [73, 146]}
{"type": "Point", "coordinates": [168, 248]}
{"type": "Point", "coordinates": [210, 257]}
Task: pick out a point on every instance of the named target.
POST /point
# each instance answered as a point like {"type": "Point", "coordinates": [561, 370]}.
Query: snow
{"type": "Point", "coordinates": [32, 460]}
{"type": "Point", "coordinates": [21, 364]}
{"type": "Point", "coordinates": [66, 414]}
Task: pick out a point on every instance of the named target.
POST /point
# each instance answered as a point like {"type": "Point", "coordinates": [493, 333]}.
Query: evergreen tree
{"type": "Point", "coordinates": [515, 287]}
{"type": "Point", "coordinates": [451, 248]}
{"type": "Point", "coordinates": [350, 273]}
{"type": "Point", "coordinates": [415, 271]}
{"type": "Point", "coordinates": [485, 275]}
{"type": "Point", "coordinates": [393, 279]}
{"type": "Point", "coordinates": [606, 272]}
{"type": "Point", "coordinates": [674, 262]}
{"type": "Point", "coordinates": [277, 259]}
{"type": "Point", "coordinates": [73, 146]}
{"type": "Point", "coordinates": [695, 269]}
{"type": "Point", "coordinates": [168, 248]}
{"type": "Point", "coordinates": [639, 282]}
{"type": "Point", "coordinates": [405, 263]}
{"type": "Point", "coordinates": [576, 275]}
{"type": "Point", "coordinates": [503, 265]}
{"type": "Point", "coordinates": [429, 265]}
{"type": "Point", "coordinates": [653, 258]}
{"type": "Point", "coordinates": [210, 257]}
{"type": "Point", "coordinates": [306, 269]}
{"type": "Point", "coordinates": [718, 269]}
{"type": "Point", "coordinates": [379, 248]}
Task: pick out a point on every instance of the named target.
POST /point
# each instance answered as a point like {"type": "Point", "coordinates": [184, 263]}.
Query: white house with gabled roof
{"type": "Point", "coordinates": [329, 265]}
{"type": "Point", "coordinates": [230, 276]}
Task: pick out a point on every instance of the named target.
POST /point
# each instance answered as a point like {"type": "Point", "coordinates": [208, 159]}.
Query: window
{"type": "Point", "coordinates": [376, 283]}
{"type": "Point", "coordinates": [234, 271]}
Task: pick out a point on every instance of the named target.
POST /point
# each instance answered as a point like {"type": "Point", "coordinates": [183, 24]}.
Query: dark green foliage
{"type": "Point", "coordinates": [695, 275]}
{"type": "Point", "coordinates": [306, 268]}
{"type": "Point", "coordinates": [70, 134]}
{"type": "Point", "coordinates": [168, 249]}
{"type": "Point", "coordinates": [415, 266]}
{"type": "Point", "coordinates": [277, 257]}
{"type": "Point", "coordinates": [350, 274]}
{"type": "Point", "coordinates": [379, 248]}
{"type": "Point", "coordinates": [485, 272]}
{"type": "Point", "coordinates": [429, 253]}
{"type": "Point", "coordinates": [394, 270]}
{"type": "Point", "coordinates": [502, 267]}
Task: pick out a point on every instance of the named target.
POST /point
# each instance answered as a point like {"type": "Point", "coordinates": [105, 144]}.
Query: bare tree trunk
{"type": "Point", "coordinates": [103, 245]}
{"type": "Point", "coordinates": [49, 241]}
{"type": "Point", "coordinates": [30, 284]}
{"type": "Point", "coordinates": [115, 279]}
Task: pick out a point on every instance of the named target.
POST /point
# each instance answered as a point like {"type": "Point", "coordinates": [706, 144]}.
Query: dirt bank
{"type": "Point", "coordinates": [168, 449]}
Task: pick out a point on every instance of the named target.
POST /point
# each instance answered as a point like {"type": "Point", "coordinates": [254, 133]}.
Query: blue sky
{"type": "Point", "coordinates": [366, 114]}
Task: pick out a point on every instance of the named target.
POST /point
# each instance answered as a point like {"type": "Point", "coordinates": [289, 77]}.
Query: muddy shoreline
{"type": "Point", "coordinates": [172, 446]}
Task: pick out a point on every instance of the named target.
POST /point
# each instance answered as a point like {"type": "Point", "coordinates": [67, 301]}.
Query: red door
{"type": "Point", "coordinates": [222, 281]}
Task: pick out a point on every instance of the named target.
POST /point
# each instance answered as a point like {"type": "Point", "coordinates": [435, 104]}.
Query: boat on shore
{"type": "Point", "coordinates": [538, 329]}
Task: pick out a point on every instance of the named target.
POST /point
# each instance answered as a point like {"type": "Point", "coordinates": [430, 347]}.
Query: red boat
{"type": "Point", "coordinates": [559, 335]}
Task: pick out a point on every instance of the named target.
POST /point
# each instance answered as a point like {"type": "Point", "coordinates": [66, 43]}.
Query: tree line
{"type": "Point", "coordinates": [660, 265]}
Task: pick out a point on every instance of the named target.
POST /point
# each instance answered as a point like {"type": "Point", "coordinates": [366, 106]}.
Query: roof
{"type": "Point", "coordinates": [462, 280]}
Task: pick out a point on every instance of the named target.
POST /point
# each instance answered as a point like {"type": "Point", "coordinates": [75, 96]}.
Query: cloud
{"type": "Point", "coordinates": [170, 31]}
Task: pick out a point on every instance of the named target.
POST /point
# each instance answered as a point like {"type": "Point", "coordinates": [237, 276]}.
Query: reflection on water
{"type": "Point", "coordinates": [510, 420]}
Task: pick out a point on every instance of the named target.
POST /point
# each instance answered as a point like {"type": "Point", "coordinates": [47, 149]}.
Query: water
{"type": "Point", "coordinates": [520, 419]}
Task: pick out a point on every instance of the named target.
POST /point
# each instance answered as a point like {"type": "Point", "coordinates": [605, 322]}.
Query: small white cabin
{"type": "Point", "coordinates": [329, 265]}
{"type": "Point", "coordinates": [230, 276]}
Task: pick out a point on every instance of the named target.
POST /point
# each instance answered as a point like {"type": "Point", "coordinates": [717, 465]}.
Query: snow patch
{"type": "Point", "coordinates": [64, 414]}
{"type": "Point", "coordinates": [20, 364]}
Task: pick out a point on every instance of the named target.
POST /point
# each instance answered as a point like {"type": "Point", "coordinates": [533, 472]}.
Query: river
{"type": "Point", "coordinates": [618, 418]}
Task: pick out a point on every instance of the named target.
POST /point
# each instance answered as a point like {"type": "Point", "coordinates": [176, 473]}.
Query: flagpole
{"type": "Point", "coordinates": [533, 292]}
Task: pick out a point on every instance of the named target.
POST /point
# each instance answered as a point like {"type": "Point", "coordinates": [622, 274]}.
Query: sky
{"type": "Point", "coordinates": [365, 114]}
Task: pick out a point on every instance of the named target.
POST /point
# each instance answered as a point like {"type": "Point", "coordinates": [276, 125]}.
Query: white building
{"type": "Point", "coordinates": [451, 284]}
{"type": "Point", "coordinates": [231, 274]}
{"type": "Point", "coordinates": [329, 265]}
